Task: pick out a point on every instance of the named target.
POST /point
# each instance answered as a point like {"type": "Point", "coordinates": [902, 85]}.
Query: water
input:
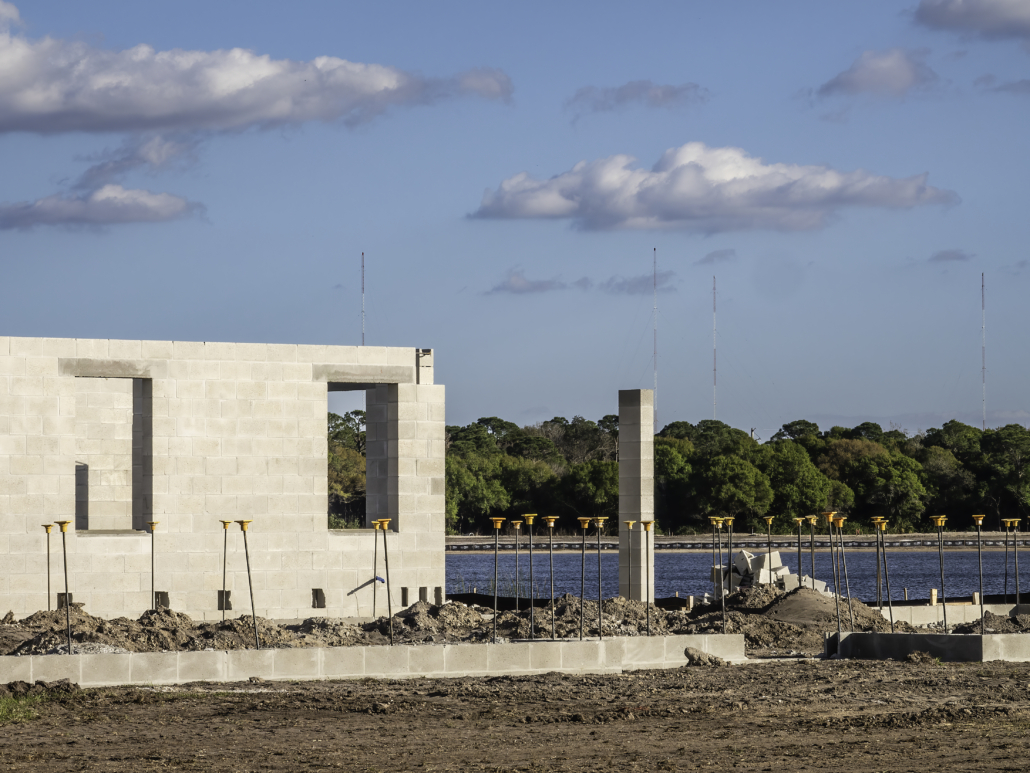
{"type": "Point", "coordinates": [688, 573]}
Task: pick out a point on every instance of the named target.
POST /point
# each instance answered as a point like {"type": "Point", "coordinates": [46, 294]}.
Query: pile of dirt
{"type": "Point", "coordinates": [773, 623]}
{"type": "Point", "coordinates": [22, 689]}
{"type": "Point", "coordinates": [993, 623]}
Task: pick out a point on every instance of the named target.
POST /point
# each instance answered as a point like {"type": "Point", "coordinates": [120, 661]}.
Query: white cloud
{"type": "Point", "coordinates": [951, 256]}
{"type": "Point", "coordinates": [9, 16]}
{"type": "Point", "coordinates": [50, 86]}
{"type": "Point", "coordinates": [698, 188]}
{"type": "Point", "coordinates": [644, 284]}
{"type": "Point", "coordinates": [991, 19]}
{"type": "Point", "coordinates": [717, 256]}
{"type": "Point", "coordinates": [889, 73]}
{"type": "Point", "coordinates": [516, 283]}
{"type": "Point", "coordinates": [152, 153]}
{"type": "Point", "coordinates": [592, 99]}
{"type": "Point", "coordinates": [107, 205]}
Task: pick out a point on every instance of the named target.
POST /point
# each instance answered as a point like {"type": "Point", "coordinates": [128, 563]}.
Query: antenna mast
{"type": "Point", "coordinates": [362, 299]}
{"type": "Point", "coordinates": [655, 313]}
{"type": "Point", "coordinates": [983, 348]}
{"type": "Point", "coordinates": [715, 402]}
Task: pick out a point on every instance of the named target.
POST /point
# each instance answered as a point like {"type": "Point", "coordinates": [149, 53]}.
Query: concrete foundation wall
{"type": "Point", "coordinates": [957, 613]}
{"type": "Point", "coordinates": [453, 660]}
{"type": "Point", "coordinates": [1013, 647]}
{"type": "Point", "coordinates": [110, 434]}
{"type": "Point", "coordinates": [636, 493]}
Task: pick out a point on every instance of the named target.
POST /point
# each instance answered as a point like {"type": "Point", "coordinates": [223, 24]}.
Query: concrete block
{"type": "Point", "coordinates": [202, 667]}
{"type": "Point", "coordinates": [50, 668]}
{"type": "Point", "coordinates": [426, 661]}
{"type": "Point", "coordinates": [154, 668]}
{"type": "Point", "coordinates": [243, 664]}
{"type": "Point", "coordinates": [385, 661]}
{"type": "Point", "coordinates": [508, 658]}
{"type": "Point", "coordinates": [99, 670]}
{"type": "Point", "coordinates": [582, 656]}
{"type": "Point", "coordinates": [644, 651]}
{"type": "Point", "coordinates": [546, 655]}
{"type": "Point", "coordinates": [613, 652]}
{"type": "Point", "coordinates": [343, 662]}
{"type": "Point", "coordinates": [300, 663]}
{"type": "Point", "coordinates": [465, 659]}
{"type": "Point", "coordinates": [15, 668]}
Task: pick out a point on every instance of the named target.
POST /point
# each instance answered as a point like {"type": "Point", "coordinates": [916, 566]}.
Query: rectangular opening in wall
{"type": "Point", "coordinates": [346, 467]}
{"type": "Point", "coordinates": [142, 452]}
{"type": "Point", "coordinates": [81, 496]}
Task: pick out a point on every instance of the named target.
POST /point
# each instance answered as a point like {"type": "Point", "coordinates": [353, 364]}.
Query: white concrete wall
{"type": "Point", "coordinates": [235, 431]}
{"type": "Point", "coordinates": [636, 493]}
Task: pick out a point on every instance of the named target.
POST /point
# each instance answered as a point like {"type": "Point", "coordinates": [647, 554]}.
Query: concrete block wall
{"type": "Point", "coordinates": [190, 433]}
{"type": "Point", "coordinates": [636, 492]}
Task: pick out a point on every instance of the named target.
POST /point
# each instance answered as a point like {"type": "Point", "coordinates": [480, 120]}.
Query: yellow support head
{"type": "Point", "coordinates": [244, 523]}
{"type": "Point", "coordinates": [384, 524]}
{"type": "Point", "coordinates": [599, 522]}
{"type": "Point", "coordinates": [153, 525]}
{"type": "Point", "coordinates": [517, 525]}
{"type": "Point", "coordinates": [529, 517]}
{"type": "Point", "coordinates": [728, 520]}
{"type": "Point", "coordinates": [768, 520]}
{"type": "Point", "coordinates": [551, 519]}
{"type": "Point", "coordinates": [647, 525]}
{"type": "Point", "coordinates": [978, 519]}
{"type": "Point", "coordinates": [829, 515]}
{"type": "Point", "coordinates": [938, 520]}
{"type": "Point", "coordinates": [629, 524]}
{"type": "Point", "coordinates": [584, 523]}
{"type": "Point", "coordinates": [225, 524]}
{"type": "Point", "coordinates": [47, 526]}
{"type": "Point", "coordinates": [812, 519]}
{"type": "Point", "coordinates": [63, 525]}
{"type": "Point", "coordinates": [497, 522]}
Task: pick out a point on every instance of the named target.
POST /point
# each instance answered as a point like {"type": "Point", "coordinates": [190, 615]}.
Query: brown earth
{"type": "Point", "coordinates": [784, 716]}
{"type": "Point", "coordinates": [773, 623]}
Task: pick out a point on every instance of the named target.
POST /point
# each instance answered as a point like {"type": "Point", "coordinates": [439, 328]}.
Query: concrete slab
{"type": "Point", "coordinates": [102, 670]}
{"type": "Point", "coordinates": [154, 668]}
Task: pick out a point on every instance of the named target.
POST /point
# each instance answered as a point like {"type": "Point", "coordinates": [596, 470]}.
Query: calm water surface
{"type": "Point", "coordinates": [688, 573]}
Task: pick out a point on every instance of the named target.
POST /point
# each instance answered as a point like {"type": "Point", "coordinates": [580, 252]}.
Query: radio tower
{"type": "Point", "coordinates": [655, 314]}
{"type": "Point", "coordinates": [715, 402]}
{"type": "Point", "coordinates": [983, 349]}
{"type": "Point", "coordinates": [362, 299]}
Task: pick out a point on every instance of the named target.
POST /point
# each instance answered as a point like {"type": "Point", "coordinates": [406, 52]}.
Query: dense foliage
{"type": "Point", "coordinates": [570, 468]}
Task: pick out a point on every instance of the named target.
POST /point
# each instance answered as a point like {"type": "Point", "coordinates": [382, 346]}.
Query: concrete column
{"type": "Point", "coordinates": [636, 491]}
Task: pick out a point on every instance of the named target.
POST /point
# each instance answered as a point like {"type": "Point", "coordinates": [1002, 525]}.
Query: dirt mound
{"type": "Point", "coordinates": [993, 623]}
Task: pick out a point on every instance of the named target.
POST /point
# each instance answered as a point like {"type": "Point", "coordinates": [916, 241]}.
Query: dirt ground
{"type": "Point", "coordinates": [764, 716]}
{"type": "Point", "coordinates": [773, 623]}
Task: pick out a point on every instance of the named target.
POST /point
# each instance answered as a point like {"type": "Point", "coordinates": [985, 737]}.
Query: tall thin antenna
{"type": "Point", "coordinates": [655, 313]}
{"type": "Point", "coordinates": [983, 348]}
{"type": "Point", "coordinates": [362, 299]}
{"type": "Point", "coordinates": [715, 402]}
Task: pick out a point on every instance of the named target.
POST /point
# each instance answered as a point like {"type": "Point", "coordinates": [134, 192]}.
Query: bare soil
{"type": "Point", "coordinates": [782, 716]}
{"type": "Point", "coordinates": [773, 624]}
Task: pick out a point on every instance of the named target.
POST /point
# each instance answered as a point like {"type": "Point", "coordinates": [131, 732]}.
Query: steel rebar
{"type": "Point", "coordinates": [940, 554]}
{"type": "Point", "coordinates": [375, 566]}
{"type": "Point", "coordinates": [886, 571]}
{"type": "Point", "coordinates": [811, 548]}
{"type": "Point", "coordinates": [584, 524]}
{"type": "Point", "coordinates": [385, 524]}
{"type": "Point", "coordinates": [529, 518]}
{"type": "Point", "coordinates": [153, 593]}
{"type": "Point", "coordinates": [250, 582]}
{"type": "Point", "coordinates": [722, 588]}
{"type": "Point", "coordinates": [1015, 554]}
{"type": "Point", "coordinates": [980, 560]}
{"type": "Point", "coordinates": [648, 584]}
{"type": "Point", "coordinates": [836, 578]}
{"type": "Point", "coordinates": [1006, 523]}
{"type": "Point", "coordinates": [550, 550]}
{"type": "Point", "coordinates": [729, 552]}
{"type": "Point", "coordinates": [844, 562]}
{"type": "Point", "coordinates": [48, 527]}
{"type": "Point", "coordinates": [799, 521]}
{"type": "Point", "coordinates": [225, 560]}
{"type": "Point", "coordinates": [599, 522]}
{"type": "Point", "coordinates": [497, 537]}
{"type": "Point", "coordinates": [629, 558]}
{"type": "Point", "coordinates": [517, 525]}
{"type": "Point", "coordinates": [67, 596]}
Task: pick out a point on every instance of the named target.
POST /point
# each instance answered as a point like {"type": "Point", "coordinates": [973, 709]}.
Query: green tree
{"type": "Point", "coordinates": [1008, 451]}
{"type": "Point", "coordinates": [474, 491]}
{"type": "Point", "coordinates": [798, 486]}
{"type": "Point", "coordinates": [347, 431]}
{"type": "Point", "coordinates": [733, 486]}
{"type": "Point", "coordinates": [672, 482]}
{"type": "Point", "coordinates": [591, 489]}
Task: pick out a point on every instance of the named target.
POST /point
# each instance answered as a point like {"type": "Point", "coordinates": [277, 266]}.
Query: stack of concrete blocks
{"type": "Point", "coordinates": [766, 569]}
{"type": "Point", "coordinates": [636, 493]}
{"type": "Point", "coordinates": [111, 434]}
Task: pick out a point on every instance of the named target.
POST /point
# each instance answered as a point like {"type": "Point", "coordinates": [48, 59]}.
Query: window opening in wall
{"type": "Point", "coordinates": [142, 452]}
{"type": "Point", "coordinates": [345, 436]}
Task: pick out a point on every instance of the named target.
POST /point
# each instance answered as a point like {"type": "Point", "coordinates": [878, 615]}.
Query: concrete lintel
{"type": "Point", "coordinates": [88, 367]}
{"type": "Point", "coordinates": [363, 374]}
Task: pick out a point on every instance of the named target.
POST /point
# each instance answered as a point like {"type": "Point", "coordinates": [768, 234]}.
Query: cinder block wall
{"type": "Point", "coordinates": [636, 492]}
{"type": "Point", "coordinates": [191, 433]}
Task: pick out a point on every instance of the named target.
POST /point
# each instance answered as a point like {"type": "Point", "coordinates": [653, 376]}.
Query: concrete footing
{"type": "Point", "coordinates": [957, 613]}
{"type": "Point", "coordinates": [1013, 647]}
{"type": "Point", "coordinates": [450, 660]}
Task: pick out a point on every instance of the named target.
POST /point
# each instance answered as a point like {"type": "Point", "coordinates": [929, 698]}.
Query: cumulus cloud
{"type": "Point", "coordinates": [646, 93]}
{"type": "Point", "coordinates": [717, 256]}
{"type": "Point", "coordinates": [9, 16]}
{"type": "Point", "coordinates": [893, 73]}
{"type": "Point", "coordinates": [639, 285]}
{"type": "Point", "coordinates": [150, 153]}
{"type": "Point", "coordinates": [951, 256]}
{"type": "Point", "coordinates": [516, 283]}
{"type": "Point", "coordinates": [50, 86]}
{"type": "Point", "coordinates": [110, 204]}
{"type": "Point", "coordinates": [991, 19]}
{"type": "Point", "coordinates": [698, 188]}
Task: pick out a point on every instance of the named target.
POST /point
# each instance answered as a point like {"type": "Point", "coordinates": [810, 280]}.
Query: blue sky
{"type": "Point", "coordinates": [847, 170]}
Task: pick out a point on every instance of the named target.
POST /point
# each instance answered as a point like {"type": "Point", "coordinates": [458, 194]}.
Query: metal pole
{"type": "Point", "coordinates": [67, 598]}
{"type": "Point", "coordinates": [939, 520]}
{"type": "Point", "coordinates": [375, 566]}
{"type": "Point", "coordinates": [1006, 524]}
{"type": "Point", "coordinates": [225, 560]}
{"type": "Point", "coordinates": [529, 518]}
{"type": "Point", "coordinates": [253, 610]}
{"type": "Point", "coordinates": [497, 537]}
{"type": "Point", "coordinates": [648, 585]}
{"type": "Point", "coordinates": [879, 580]}
{"type": "Point", "coordinates": [722, 588]}
{"type": "Point", "coordinates": [844, 561]}
{"type": "Point", "coordinates": [550, 549]}
{"type": "Point", "coordinates": [768, 551]}
{"type": "Point", "coordinates": [584, 524]}
{"type": "Point", "coordinates": [517, 525]}
{"type": "Point", "coordinates": [1015, 553]}
{"type": "Point", "coordinates": [729, 552]}
{"type": "Point", "coordinates": [980, 559]}
{"type": "Point", "coordinates": [629, 571]}
{"type": "Point", "coordinates": [599, 522]}
{"type": "Point", "coordinates": [799, 522]}
{"type": "Point", "coordinates": [48, 527]}
{"type": "Point", "coordinates": [886, 571]}
{"type": "Point", "coordinates": [384, 524]}
{"type": "Point", "coordinates": [153, 593]}
{"type": "Point", "coordinates": [836, 579]}
{"type": "Point", "coordinates": [811, 546]}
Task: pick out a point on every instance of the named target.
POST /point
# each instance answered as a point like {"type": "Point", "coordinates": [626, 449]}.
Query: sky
{"type": "Point", "coordinates": [525, 180]}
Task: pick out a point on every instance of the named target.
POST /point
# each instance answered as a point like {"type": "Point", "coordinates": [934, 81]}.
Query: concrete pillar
{"type": "Point", "coordinates": [636, 492]}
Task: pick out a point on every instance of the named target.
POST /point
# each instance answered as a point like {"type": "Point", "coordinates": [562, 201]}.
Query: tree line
{"type": "Point", "coordinates": [569, 468]}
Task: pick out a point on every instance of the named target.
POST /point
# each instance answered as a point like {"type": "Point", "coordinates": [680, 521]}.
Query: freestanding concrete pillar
{"type": "Point", "coordinates": [636, 492]}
